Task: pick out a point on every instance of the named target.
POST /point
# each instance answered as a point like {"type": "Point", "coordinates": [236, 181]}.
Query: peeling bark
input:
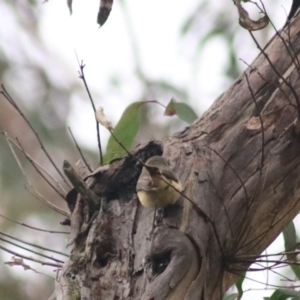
{"type": "Point", "coordinates": [239, 163]}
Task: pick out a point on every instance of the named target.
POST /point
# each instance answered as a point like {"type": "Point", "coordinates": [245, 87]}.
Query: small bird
{"type": "Point", "coordinates": [155, 184]}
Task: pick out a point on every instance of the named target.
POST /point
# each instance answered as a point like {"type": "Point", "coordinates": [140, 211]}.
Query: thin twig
{"type": "Point", "coordinates": [34, 162]}
{"type": "Point", "coordinates": [43, 200]}
{"type": "Point", "coordinates": [31, 259]}
{"type": "Point", "coordinates": [32, 251]}
{"type": "Point", "coordinates": [13, 103]}
{"type": "Point", "coordinates": [82, 77]}
{"type": "Point", "coordinates": [265, 233]}
{"type": "Point", "coordinates": [277, 286]}
{"type": "Point", "coordinates": [276, 71]}
{"type": "Point", "coordinates": [36, 194]}
{"type": "Point", "coordinates": [223, 204]}
{"type": "Point", "coordinates": [233, 170]}
{"type": "Point", "coordinates": [39, 172]}
{"type": "Point", "coordinates": [34, 228]}
{"type": "Point", "coordinates": [277, 86]}
{"type": "Point", "coordinates": [293, 57]}
{"type": "Point", "coordinates": [241, 236]}
{"type": "Point", "coordinates": [33, 245]}
{"type": "Point", "coordinates": [79, 150]}
{"type": "Point", "coordinates": [262, 149]}
{"type": "Point", "coordinates": [261, 124]}
{"type": "Point", "coordinates": [272, 225]}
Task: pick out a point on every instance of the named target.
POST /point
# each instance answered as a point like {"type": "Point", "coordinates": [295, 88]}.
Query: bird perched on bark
{"type": "Point", "coordinates": [157, 185]}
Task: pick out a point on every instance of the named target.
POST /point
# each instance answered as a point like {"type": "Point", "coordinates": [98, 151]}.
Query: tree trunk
{"type": "Point", "coordinates": [239, 163]}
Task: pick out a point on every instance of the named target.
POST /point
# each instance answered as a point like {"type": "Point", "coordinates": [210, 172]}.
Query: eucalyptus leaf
{"type": "Point", "coordinates": [182, 110]}
{"type": "Point", "coordinates": [238, 285]}
{"type": "Point", "coordinates": [290, 243]}
{"type": "Point", "coordinates": [230, 296]}
{"type": "Point", "coordinates": [283, 294]}
{"type": "Point", "coordinates": [125, 132]}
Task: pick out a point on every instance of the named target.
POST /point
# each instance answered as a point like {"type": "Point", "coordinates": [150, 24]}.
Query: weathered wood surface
{"type": "Point", "coordinates": [244, 178]}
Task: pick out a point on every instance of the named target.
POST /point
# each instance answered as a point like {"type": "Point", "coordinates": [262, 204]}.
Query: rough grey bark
{"type": "Point", "coordinates": [239, 163]}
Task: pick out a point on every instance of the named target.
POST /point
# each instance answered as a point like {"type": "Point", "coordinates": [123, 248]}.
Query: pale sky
{"type": "Point", "coordinates": [162, 52]}
{"type": "Point", "coordinates": [107, 52]}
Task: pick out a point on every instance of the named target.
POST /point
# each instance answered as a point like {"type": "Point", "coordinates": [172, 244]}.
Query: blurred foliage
{"type": "Point", "coordinates": [44, 86]}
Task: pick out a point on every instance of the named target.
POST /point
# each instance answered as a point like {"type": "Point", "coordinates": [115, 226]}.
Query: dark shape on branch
{"type": "Point", "coordinates": [104, 11]}
{"type": "Point", "coordinates": [295, 6]}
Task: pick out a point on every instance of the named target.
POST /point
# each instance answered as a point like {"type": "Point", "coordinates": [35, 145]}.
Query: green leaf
{"type": "Point", "coordinates": [282, 294]}
{"type": "Point", "coordinates": [182, 110]}
{"type": "Point", "coordinates": [125, 131]}
{"type": "Point", "coordinates": [238, 285]}
{"type": "Point", "coordinates": [230, 296]}
{"type": "Point", "coordinates": [290, 242]}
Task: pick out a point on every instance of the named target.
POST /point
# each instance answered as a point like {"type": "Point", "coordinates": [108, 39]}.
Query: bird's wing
{"type": "Point", "coordinates": [169, 175]}
{"type": "Point", "coordinates": [144, 183]}
{"type": "Point", "coordinates": [166, 172]}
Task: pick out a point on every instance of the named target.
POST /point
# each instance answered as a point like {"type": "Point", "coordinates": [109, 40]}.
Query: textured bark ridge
{"type": "Point", "coordinates": [239, 164]}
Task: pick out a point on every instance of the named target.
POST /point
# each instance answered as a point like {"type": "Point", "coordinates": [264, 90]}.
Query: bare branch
{"type": "Point", "coordinates": [82, 77]}
{"type": "Point", "coordinates": [32, 227]}
{"type": "Point", "coordinates": [33, 245]}
{"type": "Point", "coordinates": [40, 197]}
{"type": "Point", "coordinates": [31, 259]}
{"type": "Point", "coordinates": [13, 103]}
{"type": "Point", "coordinates": [79, 150]}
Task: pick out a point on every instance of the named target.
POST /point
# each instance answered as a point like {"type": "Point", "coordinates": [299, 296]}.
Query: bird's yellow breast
{"type": "Point", "coordinates": [160, 194]}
